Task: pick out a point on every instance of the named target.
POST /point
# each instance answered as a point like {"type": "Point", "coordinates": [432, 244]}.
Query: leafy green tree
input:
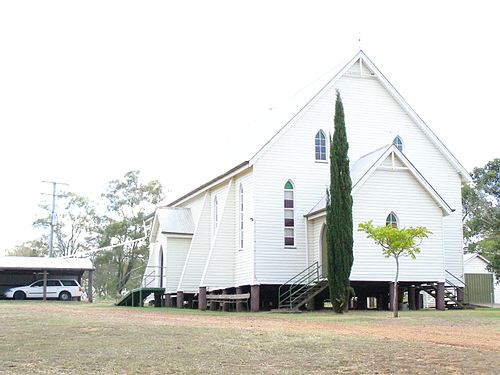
{"type": "Point", "coordinates": [339, 235]}
{"type": "Point", "coordinates": [75, 227]}
{"type": "Point", "coordinates": [127, 203]}
{"type": "Point", "coordinates": [395, 243]}
{"type": "Point", "coordinates": [34, 248]}
{"type": "Point", "coordinates": [481, 214]}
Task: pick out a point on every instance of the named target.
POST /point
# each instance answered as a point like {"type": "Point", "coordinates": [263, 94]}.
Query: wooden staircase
{"type": "Point", "coordinates": [137, 296]}
{"type": "Point", "coordinates": [452, 287]}
{"type": "Point", "coordinates": [301, 288]}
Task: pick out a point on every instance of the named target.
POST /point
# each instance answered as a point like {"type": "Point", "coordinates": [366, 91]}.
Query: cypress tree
{"type": "Point", "coordinates": [339, 235]}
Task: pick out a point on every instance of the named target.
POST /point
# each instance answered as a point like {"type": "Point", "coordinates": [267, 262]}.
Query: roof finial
{"type": "Point", "coordinates": [359, 40]}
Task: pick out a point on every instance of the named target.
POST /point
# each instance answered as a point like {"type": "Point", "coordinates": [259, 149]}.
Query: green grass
{"type": "Point", "coordinates": [52, 337]}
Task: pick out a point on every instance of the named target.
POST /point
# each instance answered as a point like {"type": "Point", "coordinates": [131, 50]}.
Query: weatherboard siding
{"type": "Point", "coordinates": [219, 268]}
{"type": "Point", "coordinates": [244, 257]}
{"type": "Point", "coordinates": [196, 205]}
{"type": "Point", "coordinates": [174, 260]}
{"type": "Point", "coordinates": [291, 157]}
{"type": "Point", "coordinates": [373, 119]}
{"type": "Point", "coordinates": [198, 251]}
{"type": "Point", "coordinates": [150, 276]}
{"type": "Point", "coordinates": [398, 192]}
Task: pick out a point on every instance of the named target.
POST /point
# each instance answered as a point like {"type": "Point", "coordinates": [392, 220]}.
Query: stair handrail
{"type": "Point", "coordinates": [455, 277]}
{"type": "Point", "coordinates": [152, 275]}
{"type": "Point", "coordinates": [303, 280]}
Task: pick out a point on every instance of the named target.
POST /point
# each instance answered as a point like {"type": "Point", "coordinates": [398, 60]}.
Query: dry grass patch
{"type": "Point", "coordinates": [52, 337]}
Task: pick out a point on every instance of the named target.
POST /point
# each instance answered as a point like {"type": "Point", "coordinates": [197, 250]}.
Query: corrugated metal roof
{"type": "Point", "coordinates": [357, 170]}
{"type": "Point", "coordinates": [175, 220]}
{"type": "Point", "coordinates": [368, 162]}
{"type": "Point", "coordinates": [42, 263]}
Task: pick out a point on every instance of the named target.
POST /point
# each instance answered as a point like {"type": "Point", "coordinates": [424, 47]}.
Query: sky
{"type": "Point", "coordinates": [91, 90]}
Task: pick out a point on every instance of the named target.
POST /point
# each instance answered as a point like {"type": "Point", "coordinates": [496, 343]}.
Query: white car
{"type": "Point", "coordinates": [63, 289]}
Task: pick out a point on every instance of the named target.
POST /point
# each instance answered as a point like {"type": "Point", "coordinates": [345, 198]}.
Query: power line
{"type": "Point", "coordinates": [53, 213]}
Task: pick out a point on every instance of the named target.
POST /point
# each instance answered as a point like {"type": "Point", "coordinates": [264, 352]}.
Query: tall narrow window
{"type": "Point", "coordinates": [216, 214]}
{"type": "Point", "coordinates": [320, 145]}
{"type": "Point", "coordinates": [241, 216]}
{"type": "Point", "coordinates": [289, 215]}
{"type": "Point", "coordinates": [392, 220]}
{"type": "Point", "coordinates": [398, 142]}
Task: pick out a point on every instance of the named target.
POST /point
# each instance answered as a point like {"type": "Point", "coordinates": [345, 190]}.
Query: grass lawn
{"type": "Point", "coordinates": [53, 337]}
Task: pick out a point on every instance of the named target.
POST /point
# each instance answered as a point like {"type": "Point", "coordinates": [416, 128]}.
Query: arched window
{"type": "Point", "coordinates": [289, 215]}
{"type": "Point", "coordinates": [216, 214]}
{"type": "Point", "coordinates": [320, 145]}
{"type": "Point", "coordinates": [241, 216]}
{"type": "Point", "coordinates": [392, 220]}
{"type": "Point", "coordinates": [398, 142]}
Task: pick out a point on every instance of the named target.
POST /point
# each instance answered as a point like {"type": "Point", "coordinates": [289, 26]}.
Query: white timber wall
{"type": "Point", "coordinates": [150, 279]}
{"type": "Point", "coordinates": [219, 268]}
{"type": "Point", "coordinates": [244, 258]}
{"type": "Point", "coordinates": [476, 265]}
{"type": "Point", "coordinates": [398, 192]}
{"type": "Point", "coordinates": [196, 206]}
{"type": "Point", "coordinates": [373, 119]}
{"type": "Point", "coordinates": [198, 250]}
{"type": "Point", "coordinates": [174, 259]}
{"type": "Point", "coordinates": [291, 157]}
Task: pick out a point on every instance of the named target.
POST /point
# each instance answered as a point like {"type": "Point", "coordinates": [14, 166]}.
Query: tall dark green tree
{"type": "Point", "coordinates": [339, 215]}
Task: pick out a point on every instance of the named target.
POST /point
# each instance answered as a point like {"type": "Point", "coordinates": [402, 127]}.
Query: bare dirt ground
{"type": "Point", "coordinates": [106, 339]}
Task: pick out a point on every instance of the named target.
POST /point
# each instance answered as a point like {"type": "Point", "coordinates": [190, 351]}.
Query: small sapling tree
{"type": "Point", "coordinates": [396, 243]}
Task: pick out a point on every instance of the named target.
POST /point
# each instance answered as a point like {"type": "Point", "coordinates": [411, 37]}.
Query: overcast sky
{"type": "Point", "coordinates": [90, 90]}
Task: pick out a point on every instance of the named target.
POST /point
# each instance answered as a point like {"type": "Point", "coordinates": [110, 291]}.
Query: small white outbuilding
{"type": "Point", "coordinates": [480, 281]}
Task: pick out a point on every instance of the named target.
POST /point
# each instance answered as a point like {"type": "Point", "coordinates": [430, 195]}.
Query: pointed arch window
{"type": "Point", "coordinates": [392, 220]}
{"type": "Point", "coordinates": [320, 146]}
{"type": "Point", "coordinates": [289, 214]}
{"type": "Point", "coordinates": [398, 142]}
{"type": "Point", "coordinates": [216, 214]}
{"type": "Point", "coordinates": [241, 216]}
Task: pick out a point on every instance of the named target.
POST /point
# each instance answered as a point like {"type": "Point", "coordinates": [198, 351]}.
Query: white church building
{"type": "Point", "coordinates": [255, 227]}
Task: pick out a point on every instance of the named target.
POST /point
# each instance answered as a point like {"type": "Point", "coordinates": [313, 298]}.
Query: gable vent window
{"type": "Point", "coordinates": [398, 142]}
{"type": "Point", "coordinates": [289, 215]}
{"type": "Point", "coordinates": [241, 216]}
{"type": "Point", "coordinates": [320, 146]}
{"type": "Point", "coordinates": [392, 220]}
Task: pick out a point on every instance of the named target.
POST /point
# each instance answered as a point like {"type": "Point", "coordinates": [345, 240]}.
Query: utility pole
{"type": "Point", "coordinates": [53, 213]}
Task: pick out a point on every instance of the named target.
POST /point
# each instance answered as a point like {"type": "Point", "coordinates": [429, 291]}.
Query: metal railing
{"type": "Point", "coordinates": [457, 284]}
{"type": "Point", "coordinates": [297, 286]}
{"type": "Point", "coordinates": [149, 275]}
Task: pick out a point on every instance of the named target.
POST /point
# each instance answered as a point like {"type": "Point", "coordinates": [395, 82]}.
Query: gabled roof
{"type": "Point", "coordinates": [290, 113]}
{"type": "Point", "coordinates": [365, 166]}
{"type": "Point", "coordinates": [207, 185]}
{"type": "Point", "coordinates": [174, 221]}
{"type": "Point", "coordinates": [469, 256]}
{"type": "Point", "coordinates": [284, 116]}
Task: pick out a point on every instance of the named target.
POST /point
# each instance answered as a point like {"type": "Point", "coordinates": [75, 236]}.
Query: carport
{"type": "Point", "coordinates": [19, 271]}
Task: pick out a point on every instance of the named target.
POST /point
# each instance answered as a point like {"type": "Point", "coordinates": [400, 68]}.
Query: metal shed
{"type": "Point", "coordinates": [19, 271]}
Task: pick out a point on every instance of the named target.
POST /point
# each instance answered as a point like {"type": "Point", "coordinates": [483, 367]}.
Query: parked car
{"type": "Point", "coordinates": [63, 289]}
